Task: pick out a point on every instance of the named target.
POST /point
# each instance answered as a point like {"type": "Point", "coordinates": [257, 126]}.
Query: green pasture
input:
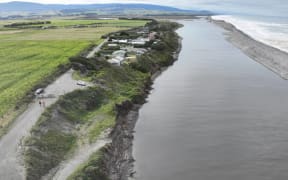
{"type": "Point", "coordinates": [27, 56]}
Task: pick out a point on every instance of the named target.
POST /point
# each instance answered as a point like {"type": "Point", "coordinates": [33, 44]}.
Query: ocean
{"type": "Point", "coordinates": [266, 22]}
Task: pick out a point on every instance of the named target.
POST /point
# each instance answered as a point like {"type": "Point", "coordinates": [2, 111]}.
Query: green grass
{"type": "Point", "coordinates": [55, 134]}
{"type": "Point", "coordinates": [107, 120]}
{"type": "Point", "coordinates": [23, 64]}
{"type": "Point", "coordinates": [76, 106]}
{"type": "Point", "coordinates": [127, 85]}
{"type": "Point", "coordinates": [60, 23]}
{"type": "Point", "coordinates": [100, 126]}
{"type": "Point", "coordinates": [104, 23]}
{"type": "Point", "coordinates": [37, 162]}
{"type": "Point", "coordinates": [27, 56]}
{"type": "Point", "coordinates": [89, 111]}
{"type": "Point", "coordinates": [91, 170]}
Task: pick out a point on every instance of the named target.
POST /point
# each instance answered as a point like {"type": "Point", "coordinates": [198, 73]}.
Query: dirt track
{"type": "Point", "coordinates": [96, 49]}
{"type": "Point", "coordinates": [10, 145]}
{"type": "Point", "coordinates": [80, 157]}
{"type": "Point", "coordinates": [11, 164]}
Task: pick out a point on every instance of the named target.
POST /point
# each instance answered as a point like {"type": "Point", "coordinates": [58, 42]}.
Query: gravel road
{"type": "Point", "coordinates": [10, 145]}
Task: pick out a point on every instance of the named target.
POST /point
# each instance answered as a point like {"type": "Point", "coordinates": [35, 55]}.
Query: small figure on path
{"type": "Point", "coordinates": [40, 103]}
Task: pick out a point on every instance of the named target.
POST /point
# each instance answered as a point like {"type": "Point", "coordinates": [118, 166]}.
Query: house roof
{"type": "Point", "coordinates": [120, 53]}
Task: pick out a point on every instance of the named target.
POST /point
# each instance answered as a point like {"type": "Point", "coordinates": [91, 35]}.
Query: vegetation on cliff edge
{"type": "Point", "coordinates": [83, 114]}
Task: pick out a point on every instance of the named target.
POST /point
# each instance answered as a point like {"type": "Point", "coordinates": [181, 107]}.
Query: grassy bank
{"type": "Point", "coordinates": [82, 115]}
{"type": "Point", "coordinates": [56, 133]}
{"type": "Point", "coordinates": [30, 58]}
{"type": "Point", "coordinates": [94, 168]}
{"type": "Point", "coordinates": [90, 111]}
{"type": "Point", "coordinates": [110, 159]}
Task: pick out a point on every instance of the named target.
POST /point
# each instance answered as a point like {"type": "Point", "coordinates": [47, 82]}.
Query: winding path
{"type": "Point", "coordinates": [81, 156]}
{"type": "Point", "coordinates": [11, 163]}
{"type": "Point", "coordinates": [10, 144]}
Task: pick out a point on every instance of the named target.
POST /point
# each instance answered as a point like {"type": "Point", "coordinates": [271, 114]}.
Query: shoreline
{"type": "Point", "coordinates": [81, 114]}
{"type": "Point", "coordinates": [272, 58]}
{"type": "Point", "coordinates": [225, 92]}
{"type": "Point", "coordinates": [118, 155]}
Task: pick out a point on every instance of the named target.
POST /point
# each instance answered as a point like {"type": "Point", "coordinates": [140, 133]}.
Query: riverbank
{"type": "Point", "coordinates": [79, 117]}
{"type": "Point", "coordinates": [118, 156]}
{"type": "Point", "coordinates": [115, 160]}
{"type": "Point", "coordinates": [215, 114]}
{"type": "Point", "coordinates": [272, 58]}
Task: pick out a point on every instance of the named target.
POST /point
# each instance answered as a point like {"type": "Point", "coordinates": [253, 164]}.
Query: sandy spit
{"type": "Point", "coordinates": [272, 58]}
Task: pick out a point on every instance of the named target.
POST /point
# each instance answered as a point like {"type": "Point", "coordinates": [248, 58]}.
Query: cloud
{"type": "Point", "coordinates": [173, 3]}
{"type": "Point", "coordinates": [236, 6]}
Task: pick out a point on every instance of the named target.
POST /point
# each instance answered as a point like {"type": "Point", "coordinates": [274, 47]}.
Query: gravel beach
{"type": "Point", "coordinates": [272, 58]}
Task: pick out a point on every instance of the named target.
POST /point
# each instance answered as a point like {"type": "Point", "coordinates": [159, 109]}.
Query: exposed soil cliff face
{"type": "Point", "coordinates": [80, 115]}
{"type": "Point", "coordinates": [118, 159]}
{"type": "Point", "coordinates": [118, 155]}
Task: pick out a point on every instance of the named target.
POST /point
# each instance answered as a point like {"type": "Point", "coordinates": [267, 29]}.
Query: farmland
{"type": "Point", "coordinates": [29, 55]}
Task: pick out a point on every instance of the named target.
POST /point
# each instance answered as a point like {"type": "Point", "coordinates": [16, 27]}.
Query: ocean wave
{"type": "Point", "coordinates": [270, 33]}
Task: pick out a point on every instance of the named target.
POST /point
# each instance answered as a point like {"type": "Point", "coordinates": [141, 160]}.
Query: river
{"type": "Point", "coordinates": [214, 115]}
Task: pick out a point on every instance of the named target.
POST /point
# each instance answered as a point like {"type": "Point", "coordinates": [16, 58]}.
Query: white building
{"type": "Point", "coordinates": [112, 45]}
{"type": "Point", "coordinates": [120, 53]}
{"type": "Point", "coordinates": [140, 41]}
{"type": "Point", "coordinates": [117, 57]}
{"type": "Point", "coordinates": [121, 41]}
{"type": "Point", "coordinates": [116, 60]}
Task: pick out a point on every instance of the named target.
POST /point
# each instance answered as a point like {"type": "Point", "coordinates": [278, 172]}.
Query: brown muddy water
{"type": "Point", "coordinates": [214, 115]}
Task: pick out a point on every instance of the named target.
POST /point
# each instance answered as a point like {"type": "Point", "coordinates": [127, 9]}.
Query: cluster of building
{"type": "Point", "coordinates": [139, 41]}
{"type": "Point", "coordinates": [126, 48]}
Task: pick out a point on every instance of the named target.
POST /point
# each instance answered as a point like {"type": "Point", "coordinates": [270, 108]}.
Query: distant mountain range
{"type": "Point", "coordinates": [27, 8]}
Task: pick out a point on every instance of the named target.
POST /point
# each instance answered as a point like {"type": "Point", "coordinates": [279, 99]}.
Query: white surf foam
{"type": "Point", "coordinates": [272, 34]}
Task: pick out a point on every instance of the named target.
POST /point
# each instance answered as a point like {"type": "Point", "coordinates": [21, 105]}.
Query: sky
{"type": "Point", "coordinates": [274, 6]}
{"type": "Point", "coordinates": [187, 4]}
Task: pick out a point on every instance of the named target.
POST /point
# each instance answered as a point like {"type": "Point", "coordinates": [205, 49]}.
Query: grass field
{"type": "Point", "coordinates": [107, 23]}
{"type": "Point", "coordinates": [60, 23]}
{"type": "Point", "coordinates": [27, 56]}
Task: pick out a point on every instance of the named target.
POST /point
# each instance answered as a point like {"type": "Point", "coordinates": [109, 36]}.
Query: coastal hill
{"type": "Point", "coordinates": [27, 8]}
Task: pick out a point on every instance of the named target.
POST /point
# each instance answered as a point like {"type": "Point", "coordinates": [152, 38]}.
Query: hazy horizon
{"type": "Point", "coordinates": [273, 7]}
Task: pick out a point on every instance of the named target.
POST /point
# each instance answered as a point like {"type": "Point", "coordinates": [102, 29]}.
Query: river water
{"type": "Point", "coordinates": [215, 114]}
